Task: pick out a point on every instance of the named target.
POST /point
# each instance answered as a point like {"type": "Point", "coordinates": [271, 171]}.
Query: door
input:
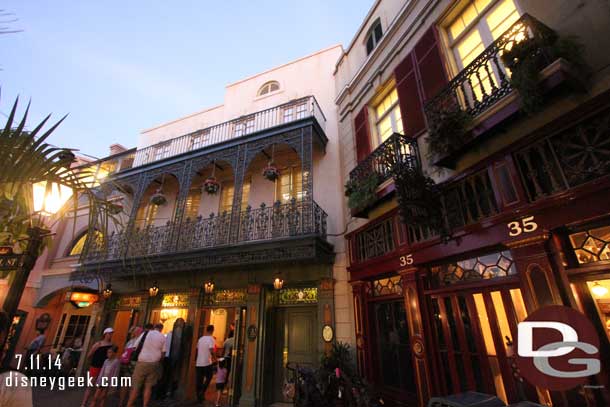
{"type": "Point", "coordinates": [474, 332]}
{"type": "Point", "coordinates": [295, 343]}
{"type": "Point", "coordinates": [121, 326]}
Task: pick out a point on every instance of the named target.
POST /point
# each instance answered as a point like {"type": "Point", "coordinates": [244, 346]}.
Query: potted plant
{"type": "Point", "coordinates": [449, 133]}
{"type": "Point", "coordinates": [362, 193]}
{"type": "Point", "coordinates": [158, 198]}
{"type": "Point", "coordinates": [271, 172]}
{"type": "Point", "coordinates": [211, 185]}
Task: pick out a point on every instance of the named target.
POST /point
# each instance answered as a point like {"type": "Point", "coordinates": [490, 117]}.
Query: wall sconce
{"type": "Point", "coordinates": [599, 290]}
{"type": "Point", "coordinates": [208, 286]}
{"type": "Point", "coordinates": [107, 293]}
{"type": "Point", "coordinates": [154, 290]}
{"type": "Point", "coordinates": [278, 282]}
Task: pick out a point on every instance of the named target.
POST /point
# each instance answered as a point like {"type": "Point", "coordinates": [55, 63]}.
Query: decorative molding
{"type": "Point", "coordinates": [292, 296]}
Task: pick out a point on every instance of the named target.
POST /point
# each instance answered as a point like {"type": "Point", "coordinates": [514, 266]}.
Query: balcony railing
{"type": "Point", "coordinates": [575, 156]}
{"type": "Point", "coordinates": [263, 120]}
{"type": "Point", "coordinates": [396, 151]}
{"type": "Point", "coordinates": [486, 80]}
{"type": "Point", "coordinates": [293, 219]}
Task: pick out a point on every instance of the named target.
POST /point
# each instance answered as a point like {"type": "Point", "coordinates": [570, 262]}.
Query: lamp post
{"type": "Point", "coordinates": [48, 199]}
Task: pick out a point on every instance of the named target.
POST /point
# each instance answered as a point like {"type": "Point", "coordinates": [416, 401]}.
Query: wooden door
{"type": "Point", "coordinates": [295, 343]}
{"type": "Point", "coordinates": [121, 326]}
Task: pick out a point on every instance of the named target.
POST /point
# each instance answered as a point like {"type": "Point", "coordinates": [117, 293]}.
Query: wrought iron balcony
{"type": "Point", "coordinates": [570, 158]}
{"type": "Point", "coordinates": [280, 221]}
{"type": "Point", "coordinates": [281, 115]}
{"type": "Point", "coordinates": [486, 80]}
{"type": "Point", "coordinates": [397, 151]}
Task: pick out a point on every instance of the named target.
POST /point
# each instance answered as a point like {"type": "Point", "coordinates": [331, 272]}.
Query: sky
{"type": "Point", "coordinates": [119, 67]}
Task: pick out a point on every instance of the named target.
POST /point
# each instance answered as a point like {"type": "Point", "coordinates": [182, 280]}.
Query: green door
{"type": "Point", "coordinates": [295, 340]}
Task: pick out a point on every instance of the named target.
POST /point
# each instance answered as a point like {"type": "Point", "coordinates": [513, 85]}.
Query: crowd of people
{"type": "Point", "coordinates": [146, 360]}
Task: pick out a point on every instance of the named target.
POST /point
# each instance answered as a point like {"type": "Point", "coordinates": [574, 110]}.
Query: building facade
{"type": "Point", "coordinates": [474, 139]}
{"type": "Point", "coordinates": [230, 218]}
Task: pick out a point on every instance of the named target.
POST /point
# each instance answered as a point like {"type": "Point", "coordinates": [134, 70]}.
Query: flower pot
{"type": "Point", "coordinates": [158, 198]}
{"type": "Point", "coordinates": [211, 186]}
{"type": "Point", "coordinates": [271, 172]}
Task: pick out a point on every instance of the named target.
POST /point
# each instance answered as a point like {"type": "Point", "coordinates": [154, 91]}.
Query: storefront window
{"type": "Point", "coordinates": [387, 286]}
{"type": "Point", "coordinates": [600, 292]}
{"type": "Point", "coordinates": [494, 265]}
{"type": "Point", "coordinates": [393, 348]}
{"type": "Point", "coordinates": [592, 245]}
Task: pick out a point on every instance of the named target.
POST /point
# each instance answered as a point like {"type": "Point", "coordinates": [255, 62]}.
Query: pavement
{"type": "Point", "coordinates": [74, 397]}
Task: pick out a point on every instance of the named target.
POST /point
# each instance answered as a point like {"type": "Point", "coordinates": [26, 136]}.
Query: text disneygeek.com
{"type": "Point", "coordinates": [62, 383]}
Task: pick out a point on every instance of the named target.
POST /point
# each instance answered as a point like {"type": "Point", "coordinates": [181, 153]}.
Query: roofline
{"type": "Point", "coordinates": [286, 64]}
{"type": "Point", "coordinates": [158, 126]}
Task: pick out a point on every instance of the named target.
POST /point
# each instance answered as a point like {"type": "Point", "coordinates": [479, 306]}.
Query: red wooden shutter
{"type": "Point", "coordinates": [419, 77]}
{"type": "Point", "coordinates": [430, 66]}
{"type": "Point", "coordinates": [363, 140]}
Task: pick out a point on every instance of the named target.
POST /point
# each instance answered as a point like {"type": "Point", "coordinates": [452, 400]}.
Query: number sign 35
{"type": "Point", "coordinates": [406, 260]}
{"type": "Point", "coordinates": [525, 225]}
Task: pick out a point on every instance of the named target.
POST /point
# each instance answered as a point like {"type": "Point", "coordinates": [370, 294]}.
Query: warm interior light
{"type": "Point", "coordinates": [599, 290]}
{"type": "Point", "coordinates": [278, 283]}
{"type": "Point", "coordinates": [48, 200]}
{"type": "Point", "coordinates": [154, 290]}
{"type": "Point", "coordinates": [208, 287]}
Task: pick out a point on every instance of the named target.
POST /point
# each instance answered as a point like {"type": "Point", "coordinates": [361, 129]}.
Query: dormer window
{"type": "Point", "coordinates": [268, 87]}
{"type": "Point", "coordinates": [375, 34]}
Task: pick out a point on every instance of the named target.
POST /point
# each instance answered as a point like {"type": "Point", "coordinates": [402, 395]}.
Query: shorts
{"type": "Point", "coordinates": [145, 373]}
{"type": "Point", "coordinates": [127, 369]}
{"type": "Point", "coordinates": [94, 371]}
{"type": "Point", "coordinates": [220, 386]}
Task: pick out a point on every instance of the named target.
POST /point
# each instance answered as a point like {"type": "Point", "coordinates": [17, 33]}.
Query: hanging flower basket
{"type": "Point", "coordinates": [158, 198]}
{"type": "Point", "coordinates": [211, 186]}
{"type": "Point", "coordinates": [271, 172]}
{"type": "Point", "coordinates": [115, 209]}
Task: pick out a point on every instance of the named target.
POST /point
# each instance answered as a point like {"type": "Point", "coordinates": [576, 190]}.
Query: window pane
{"type": "Point", "coordinates": [502, 17]}
{"type": "Point", "coordinates": [470, 47]}
{"type": "Point", "coordinates": [226, 199]}
{"type": "Point", "coordinates": [273, 87]}
{"type": "Point", "coordinates": [385, 128]}
{"type": "Point", "coordinates": [469, 14]}
{"type": "Point", "coordinates": [481, 4]}
{"type": "Point", "coordinates": [378, 33]}
{"type": "Point", "coordinates": [369, 45]}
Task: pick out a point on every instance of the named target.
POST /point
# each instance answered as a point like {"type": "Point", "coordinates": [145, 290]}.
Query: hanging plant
{"type": "Point", "coordinates": [158, 198]}
{"type": "Point", "coordinates": [211, 185]}
{"type": "Point", "coordinates": [115, 208]}
{"type": "Point", "coordinates": [526, 59]}
{"type": "Point", "coordinates": [271, 172]}
{"type": "Point", "coordinates": [418, 199]}
{"type": "Point", "coordinates": [362, 193]}
{"type": "Point", "coordinates": [449, 133]}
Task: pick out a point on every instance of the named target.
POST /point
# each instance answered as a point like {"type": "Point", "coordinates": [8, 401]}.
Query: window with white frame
{"type": "Point", "coordinates": [162, 151]}
{"type": "Point", "coordinates": [374, 36]}
{"type": "Point", "coordinates": [388, 118]}
{"type": "Point", "coordinates": [294, 112]}
{"type": "Point", "coordinates": [479, 24]}
{"type": "Point", "coordinates": [268, 87]}
{"type": "Point", "coordinates": [242, 127]}
{"type": "Point", "coordinates": [200, 139]}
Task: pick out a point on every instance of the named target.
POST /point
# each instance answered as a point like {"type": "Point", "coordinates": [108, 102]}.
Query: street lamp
{"type": "Point", "coordinates": [107, 293]}
{"type": "Point", "coordinates": [48, 199]}
{"type": "Point", "coordinates": [208, 287]}
{"type": "Point", "coordinates": [278, 282]}
{"type": "Point", "coordinates": [153, 290]}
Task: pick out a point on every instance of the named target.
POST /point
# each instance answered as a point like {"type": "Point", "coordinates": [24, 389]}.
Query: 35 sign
{"type": "Point", "coordinates": [406, 260]}
{"type": "Point", "coordinates": [525, 225]}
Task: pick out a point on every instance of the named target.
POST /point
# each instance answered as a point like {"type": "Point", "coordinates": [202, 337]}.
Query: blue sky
{"type": "Point", "coordinates": [117, 67]}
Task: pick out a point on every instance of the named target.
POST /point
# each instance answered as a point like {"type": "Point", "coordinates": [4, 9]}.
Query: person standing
{"type": "Point", "coordinates": [12, 396]}
{"type": "Point", "coordinates": [221, 379]}
{"type": "Point", "coordinates": [128, 365]}
{"type": "Point", "coordinates": [148, 354]}
{"type": "Point", "coordinates": [228, 350]}
{"type": "Point", "coordinates": [36, 344]}
{"type": "Point", "coordinates": [98, 355]}
{"type": "Point", "coordinates": [204, 366]}
{"type": "Point", "coordinates": [110, 371]}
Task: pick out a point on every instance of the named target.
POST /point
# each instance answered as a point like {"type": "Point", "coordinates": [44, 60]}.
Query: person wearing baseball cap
{"type": "Point", "coordinates": [97, 355]}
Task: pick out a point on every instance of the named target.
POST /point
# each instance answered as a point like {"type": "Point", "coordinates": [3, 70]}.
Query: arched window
{"type": "Point", "coordinates": [268, 87]}
{"type": "Point", "coordinates": [79, 243]}
{"type": "Point", "coordinates": [374, 36]}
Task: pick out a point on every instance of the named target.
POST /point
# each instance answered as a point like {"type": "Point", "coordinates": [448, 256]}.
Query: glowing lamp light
{"type": "Point", "coordinates": [208, 287]}
{"type": "Point", "coordinates": [49, 197]}
{"type": "Point", "coordinates": [154, 290]}
{"type": "Point", "coordinates": [599, 290]}
{"type": "Point", "coordinates": [278, 283]}
{"type": "Point", "coordinates": [107, 293]}
{"type": "Point", "coordinates": [83, 300]}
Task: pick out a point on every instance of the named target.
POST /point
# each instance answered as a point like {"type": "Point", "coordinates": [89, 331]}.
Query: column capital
{"type": "Point", "coordinates": [326, 284]}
